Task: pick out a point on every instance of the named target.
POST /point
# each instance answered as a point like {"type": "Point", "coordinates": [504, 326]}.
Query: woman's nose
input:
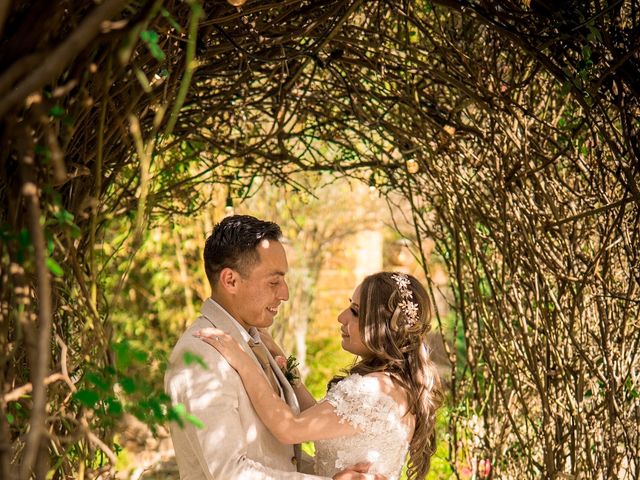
{"type": "Point", "coordinates": [341, 318]}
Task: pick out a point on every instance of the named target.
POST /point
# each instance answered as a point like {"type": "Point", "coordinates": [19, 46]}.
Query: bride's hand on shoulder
{"type": "Point", "coordinates": [225, 344]}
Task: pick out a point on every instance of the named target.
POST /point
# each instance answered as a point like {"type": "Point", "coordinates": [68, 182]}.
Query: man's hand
{"type": "Point", "coordinates": [358, 472]}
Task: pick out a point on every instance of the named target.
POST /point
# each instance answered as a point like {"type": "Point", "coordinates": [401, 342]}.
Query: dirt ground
{"type": "Point", "coordinates": [145, 457]}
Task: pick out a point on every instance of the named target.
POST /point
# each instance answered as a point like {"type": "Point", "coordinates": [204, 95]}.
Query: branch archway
{"type": "Point", "coordinates": [511, 127]}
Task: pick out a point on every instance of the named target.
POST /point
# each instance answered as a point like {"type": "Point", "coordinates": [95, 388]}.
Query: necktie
{"type": "Point", "coordinates": [261, 353]}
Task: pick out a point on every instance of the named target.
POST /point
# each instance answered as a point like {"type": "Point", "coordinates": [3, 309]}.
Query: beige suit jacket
{"type": "Point", "coordinates": [234, 443]}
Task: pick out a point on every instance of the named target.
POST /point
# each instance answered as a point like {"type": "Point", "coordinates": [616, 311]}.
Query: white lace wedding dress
{"type": "Point", "coordinates": [383, 437]}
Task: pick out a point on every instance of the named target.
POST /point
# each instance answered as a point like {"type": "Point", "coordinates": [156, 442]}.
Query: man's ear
{"type": "Point", "coordinates": [228, 279]}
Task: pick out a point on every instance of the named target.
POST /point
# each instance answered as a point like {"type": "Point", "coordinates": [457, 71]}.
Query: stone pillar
{"type": "Point", "coordinates": [368, 254]}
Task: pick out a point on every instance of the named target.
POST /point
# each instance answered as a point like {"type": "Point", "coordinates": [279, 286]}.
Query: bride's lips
{"type": "Point", "coordinates": [344, 334]}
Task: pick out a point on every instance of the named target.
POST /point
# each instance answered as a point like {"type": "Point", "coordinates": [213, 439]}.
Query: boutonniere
{"type": "Point", "coordinates": [289, 367]}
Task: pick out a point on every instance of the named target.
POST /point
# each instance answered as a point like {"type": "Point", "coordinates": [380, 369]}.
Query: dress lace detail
{"type": "Point", "coordinates": [382, 437]}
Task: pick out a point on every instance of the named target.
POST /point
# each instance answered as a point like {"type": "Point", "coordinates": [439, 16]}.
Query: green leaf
{"type": "Point", "coordinates": [56, 111]}
{"type": "Point", "coordinates": [124, 354]}
{"type": "Point", "coordinates": [75, 231]}
{"type": "Point", "coordinates": [98, 381]}
{"type": "Point", "coordinates": [88, 398]}
{"type": "Point", "coordinates": [156, 51]}
{"type": "Point", "coordinates": [163, 397]}
{"type": "Point", "coordinates": [24, 238]}
{"type": "Point", "coordinates": [63, 216]}
{"type": "Point", "coordinates": [191, 358]}
{"type": "Point", "coordinates": [140, 355]}
{"type": "Point", "coordinates": [128, 385]}
{"type": "Point", "coordinates": [156, 408]}
{"type": "Point", "coordinates": [10, 418]}
{"type": "Point", "coordinates": [114, 407]}
{"type": "Point", "coordinates": [192, 419]}
{"type": "Point", "coordinates": [50, 245]}
{"type": "Point", "coordinates": [54, 267]}
{"type": "Point", "coordinates": [43, 152]}
{"type": "Point", "coordinates": [117, 448]}
{"type": "Point", "coordinates": [176, 413]}
{"type": "Point", "coordinates": [149, 36]}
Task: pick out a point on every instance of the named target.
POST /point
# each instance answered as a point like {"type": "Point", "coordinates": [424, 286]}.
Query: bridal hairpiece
{"type": "Point", "coordinates": [407, 305]}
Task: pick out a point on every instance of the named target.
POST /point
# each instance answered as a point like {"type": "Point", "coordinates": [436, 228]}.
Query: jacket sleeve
{"type": "Point", "coordinates": [211, 395]}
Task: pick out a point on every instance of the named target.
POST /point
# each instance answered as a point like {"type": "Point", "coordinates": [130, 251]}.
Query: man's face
{"type": "Point", "coordinates": [259, 294]}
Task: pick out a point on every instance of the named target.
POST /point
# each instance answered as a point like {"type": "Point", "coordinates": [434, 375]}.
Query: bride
{"type": "Point", "coordinates": [384, 407]}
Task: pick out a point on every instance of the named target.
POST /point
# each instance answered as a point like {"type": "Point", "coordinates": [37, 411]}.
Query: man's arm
{"type": "Point", "coordinates": [211, 395]}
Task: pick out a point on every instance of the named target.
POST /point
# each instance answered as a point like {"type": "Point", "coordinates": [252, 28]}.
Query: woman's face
{"type": "Point", "coordinates": [351, 339]}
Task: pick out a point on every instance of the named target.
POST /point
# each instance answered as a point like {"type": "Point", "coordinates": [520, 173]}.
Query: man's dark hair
{"type": "Point", "coordinates": [233, 242]}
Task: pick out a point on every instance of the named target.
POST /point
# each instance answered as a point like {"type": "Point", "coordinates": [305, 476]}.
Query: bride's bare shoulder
{"type": "Point", "coordinates": [389, 387]}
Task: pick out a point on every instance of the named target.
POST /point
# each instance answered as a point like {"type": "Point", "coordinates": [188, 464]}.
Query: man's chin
{"type": "Point", "coordinates": [264, 322]}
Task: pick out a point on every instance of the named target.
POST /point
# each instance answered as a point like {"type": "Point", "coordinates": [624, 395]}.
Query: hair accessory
{"type": "Point", "coordinates": [407, 305]}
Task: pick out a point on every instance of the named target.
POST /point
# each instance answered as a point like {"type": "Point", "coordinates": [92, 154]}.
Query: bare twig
{"type": "Point", "coordinates": [40, 351]}
{"type": "Point", "coordinates": [60, 58]}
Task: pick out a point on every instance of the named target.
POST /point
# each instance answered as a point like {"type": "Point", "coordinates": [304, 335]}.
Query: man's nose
{"type": "Point", "coordinates": [284, 292]}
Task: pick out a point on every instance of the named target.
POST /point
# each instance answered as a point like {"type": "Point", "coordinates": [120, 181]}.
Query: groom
{"type": "Point", "coordinates": [246, 265]}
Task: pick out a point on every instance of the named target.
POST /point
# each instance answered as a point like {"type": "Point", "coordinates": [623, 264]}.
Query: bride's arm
{"type": "Point", "coordinates": [319, 422]}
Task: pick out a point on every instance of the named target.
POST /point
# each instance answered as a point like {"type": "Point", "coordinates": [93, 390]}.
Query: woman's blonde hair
{"type": "Point", "coordinates": [396, 336]}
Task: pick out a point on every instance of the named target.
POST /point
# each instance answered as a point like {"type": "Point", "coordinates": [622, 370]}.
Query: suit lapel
{"type": "Point", "coordinates": [291, 399]}
{"type": "Point", "coordinates": [287, 390]}
{"type": "Point", "coordinates": [220, 319]}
